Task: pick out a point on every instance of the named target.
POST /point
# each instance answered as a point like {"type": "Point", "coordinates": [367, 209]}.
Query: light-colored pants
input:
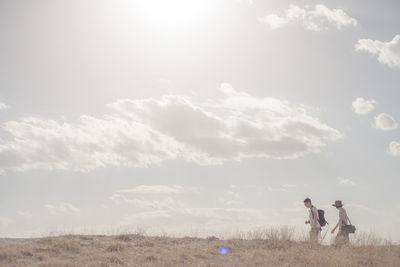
{"type": "Point", "coordinates": [342, 237]}
{"type": "Point", "coordinates": [315, 233]}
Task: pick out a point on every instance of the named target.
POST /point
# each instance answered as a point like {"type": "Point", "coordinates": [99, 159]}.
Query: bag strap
{"type": "Point", "coordinates": [348, 219]}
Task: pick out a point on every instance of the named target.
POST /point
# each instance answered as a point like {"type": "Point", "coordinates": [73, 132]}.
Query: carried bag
{"type": "Point", "coordinates": [349, 228]}
{"type": "Point", "coordinates": [321, 215]}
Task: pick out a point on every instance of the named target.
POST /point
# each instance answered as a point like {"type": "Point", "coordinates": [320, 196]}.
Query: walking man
{"type": "Point", "coordinates": [343, 235]}
{"type": "Point", "coordinates": [313, 221]}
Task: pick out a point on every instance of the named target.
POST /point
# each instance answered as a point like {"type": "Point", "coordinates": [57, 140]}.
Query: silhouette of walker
{"type": "Point", "coordinates": [344, 224]}
{"type": "Point", "coordinates": [313, 221]}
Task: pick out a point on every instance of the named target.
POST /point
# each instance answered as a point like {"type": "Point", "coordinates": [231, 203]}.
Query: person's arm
{"type": "Point", "coordinates": [315, 214]}
{"type": "Point", "coordinates": [339, 223]}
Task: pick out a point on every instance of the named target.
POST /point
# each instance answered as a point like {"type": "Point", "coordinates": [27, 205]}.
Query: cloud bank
{"type": "Point", "coordinates": [388, 52]}
{"type": "Point", "coordinates": [362, 106]}
{"type": "Point", "coordinates": [318, 19]}
{"type": "Point", "coordinates": [149, 131]}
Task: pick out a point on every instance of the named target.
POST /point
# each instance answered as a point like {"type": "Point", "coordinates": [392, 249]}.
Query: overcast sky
{"type": "Point", "coordinates": [197, 117]}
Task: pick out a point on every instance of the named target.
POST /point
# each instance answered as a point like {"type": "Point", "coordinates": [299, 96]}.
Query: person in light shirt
{"type": "Point", "coordinates": [343, 235]}
{"type": "Point", "coordinates": [313, 221]}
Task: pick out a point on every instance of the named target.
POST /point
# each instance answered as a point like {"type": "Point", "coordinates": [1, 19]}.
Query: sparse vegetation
{"type": "Point", "coordinates": [276, 247]}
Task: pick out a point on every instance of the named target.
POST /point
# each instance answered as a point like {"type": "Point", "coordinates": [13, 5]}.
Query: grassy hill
{"type": "Point", "coordinates": [268, 249]}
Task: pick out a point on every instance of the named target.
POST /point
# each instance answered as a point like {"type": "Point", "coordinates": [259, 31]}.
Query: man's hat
{"type": "Point", "coordinates": [338, 203]}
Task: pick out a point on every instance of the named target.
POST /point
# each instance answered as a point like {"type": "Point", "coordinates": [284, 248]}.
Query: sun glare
{"type": "Point", "coordinates": [175, 15]}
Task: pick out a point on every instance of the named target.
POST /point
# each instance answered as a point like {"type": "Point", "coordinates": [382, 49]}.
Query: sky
{"type": "Point", "coordinates": [197, 117]}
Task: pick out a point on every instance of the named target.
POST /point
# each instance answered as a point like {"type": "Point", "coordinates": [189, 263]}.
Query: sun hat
{"type": "Point", "coordinates": [338, 203]}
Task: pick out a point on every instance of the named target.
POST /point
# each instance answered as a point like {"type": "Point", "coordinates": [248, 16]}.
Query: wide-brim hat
{"type": "Point", "coordinates": [338, 203]}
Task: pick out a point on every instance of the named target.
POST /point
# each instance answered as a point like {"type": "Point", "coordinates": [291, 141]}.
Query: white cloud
{"type": "Point", "coordinates": [231, 197]}
{"type": "Point", "coordinates": [388, 52]}
{"type": "Point", "coordinates": [385, 122]}
{"type": "Point", "coordinates": [318, 19]}
{"type": "Point", "coordinates": [91, 143]}
{"type": "Point", "coordinates": [3, 106]}
{"type": "Point", "coordinates": [153, 196]}
{"type": "Point", "coordinates": [345, 181]}
{"type": "Point", "coordinates": [362, 106]}
{"type": "Point", "coordinates": [230, 202]}
{"type": "Point", "coordinates": [149, 131]}
{"type": "Point", "coordinates": [153, 189]}
{"type": "Point", "coordinates": [61, 208]}
{"type": "Point", "coordinates": [394, 148]}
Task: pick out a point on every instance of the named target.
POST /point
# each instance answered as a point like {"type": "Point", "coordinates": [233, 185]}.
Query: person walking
{"type": "Point", "coordinates": [342, 236]}
{"type": "Point", "coordinates": [313, 221]}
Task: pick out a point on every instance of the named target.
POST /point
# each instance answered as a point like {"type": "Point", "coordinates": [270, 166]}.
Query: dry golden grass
{"type": "Point", "coordinates": [258, 248]}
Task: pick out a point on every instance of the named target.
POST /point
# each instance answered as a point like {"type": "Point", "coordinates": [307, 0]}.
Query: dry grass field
{"type": "Point", "coordinates": [263, 248]}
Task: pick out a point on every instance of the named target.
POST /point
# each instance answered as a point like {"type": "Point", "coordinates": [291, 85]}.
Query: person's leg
{"type": "Point", "coordinates": [346, 237]}
{"type": "Point", "coordinates": [341, 237]}
{"type": "Point", "coordinates": [337, 239]}
{"type": "Point", "coordinates": [314, 235]}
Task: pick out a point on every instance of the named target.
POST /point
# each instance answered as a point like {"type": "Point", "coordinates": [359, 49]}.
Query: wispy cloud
{"type": "Point", "coordinates": [346, 181]}
{"type": "Point", "coordinates": [3, 106]}
{"type": "Point", "coordinates": [388, 52]}
{"type": "Point", "coordinates": [232, 197]}
{"type": "Point", "coordinates": [153, 189]}
{"type": "Point", "coordinates": [230, 202]}
{"type": "Point", "coordinates": [363, 106]}
{"type": "Point", "coordinates": [282, 188]}
{"type": "Point", "coordinates": [143, 132]}
{"type": "Point", "coordinates": [61, 208]}
{"type": "Point", "coordinates": [25, 214]}
{"type": "Point", "coordinates": [153, 210]}
{"type": "Point", "coordinates": [152, 196]}
{"type": "Point", "coordinates": [319, 18]}
{"type": "Point", "coordinates": [163, 203]}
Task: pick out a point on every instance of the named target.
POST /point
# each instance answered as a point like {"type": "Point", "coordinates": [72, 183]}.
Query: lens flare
{"type": "Point", "coordinates": [223, 250]}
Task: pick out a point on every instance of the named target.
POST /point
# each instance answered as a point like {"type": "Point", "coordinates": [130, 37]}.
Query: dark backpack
{"type": "Point", "coordinates": [321, 216]}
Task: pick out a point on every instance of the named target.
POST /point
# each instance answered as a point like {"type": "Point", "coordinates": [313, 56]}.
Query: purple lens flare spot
{"type": "Point", "coordinates": [223, 250]}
